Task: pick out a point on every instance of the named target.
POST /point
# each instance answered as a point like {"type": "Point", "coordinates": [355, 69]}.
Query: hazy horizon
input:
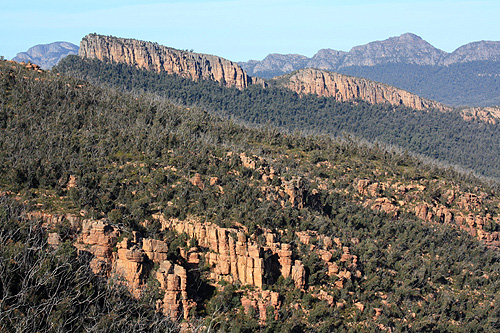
{"type": "Point", "coordinates": [244, 30]}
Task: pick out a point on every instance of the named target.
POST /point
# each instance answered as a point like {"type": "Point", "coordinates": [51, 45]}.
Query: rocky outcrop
{"type": "Point", "coordinates": [98, 238]}
{"type": "Point", "coordinates": [129, 266]}
{"type": "Point", "coordinates": [229, 254]}
{"type": "Point", "coordinates": [196, 181]}
{"type": "Point", "coordinates": [348, 88]}
{"type": "Point", "coordinates": [490, 115]}
{"type": "Point", "coordinates": [236, 257]}
{"type": "Point", "coordinates": [173, 281]}
{"type": "Point", "coordinates": [463, 210]}
{"type": "Point", "coordinates": [260, 300]}
{"type": "Point", "coordinates": [155, 57]}
{"type": "Point", "coordinates": [232, 256]}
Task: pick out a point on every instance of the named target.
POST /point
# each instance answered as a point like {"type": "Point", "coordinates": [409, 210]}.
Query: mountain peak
{"type": "Point", "coordinates": [410, 37]}
{"type": "Point", "coordinates": [407, 48]}
{"type": "Point", "coordinates": [47, 55]}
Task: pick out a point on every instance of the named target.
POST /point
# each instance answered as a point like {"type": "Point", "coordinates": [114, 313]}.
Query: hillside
{"type": "Point", "coordinates": [445, 136]}
{"type": "Point", "coordinates": [222, 227]}
{"type": "Point", "coordinates": [47, 55]}
{"type": "Point", "coordinates": [467, 76]}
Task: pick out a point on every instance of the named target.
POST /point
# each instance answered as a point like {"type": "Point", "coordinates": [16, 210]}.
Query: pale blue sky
{"type": "Point", "coordinates": [241, 30]}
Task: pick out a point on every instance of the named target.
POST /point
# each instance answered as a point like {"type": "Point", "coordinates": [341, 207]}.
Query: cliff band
{"type": "Point", "coordinates": [346, 88]}
{"type": "Point", "coordinates": [152, 56]}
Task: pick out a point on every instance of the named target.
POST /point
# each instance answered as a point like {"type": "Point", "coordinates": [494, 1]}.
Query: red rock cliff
{"type": "Point", "coordinates": [346, 88]}
{"type": "Point", "coordinates": [152, 56]}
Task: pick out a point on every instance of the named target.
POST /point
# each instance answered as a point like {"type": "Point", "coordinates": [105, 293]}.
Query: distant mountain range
{"type": "Point", "coordinates": [467, 76]}
{"type": "Point", "coordinates": [405, 49]}
{"type": "Point", "coordinates": [47, 55]}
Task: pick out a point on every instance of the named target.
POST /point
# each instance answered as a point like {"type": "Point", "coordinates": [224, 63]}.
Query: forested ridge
{"type": "Point", "coordinates": [444, 136]}
{"type": "Point", "coordinates": [132, 156]}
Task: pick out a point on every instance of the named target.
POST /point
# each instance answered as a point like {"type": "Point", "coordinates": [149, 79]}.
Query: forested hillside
{"type": "Point", "coordinates": [335, 236]}
{"type": "Point", "coordinates": [443, 136]}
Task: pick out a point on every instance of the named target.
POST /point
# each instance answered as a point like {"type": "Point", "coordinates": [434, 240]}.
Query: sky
{"type": "Point", "coordinates": [240, 30]}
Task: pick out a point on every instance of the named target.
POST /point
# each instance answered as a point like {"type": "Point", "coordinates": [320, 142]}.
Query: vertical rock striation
{"type": "Point", "coordinates": [155, 57]}
{"type": "Point", "coordinates": [347, 88]}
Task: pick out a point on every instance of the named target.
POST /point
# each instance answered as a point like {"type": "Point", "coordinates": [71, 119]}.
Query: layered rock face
{"type": "Point", "coordinates": [151, 56]}
{"type": "Point", "coordinates": [346, 88]}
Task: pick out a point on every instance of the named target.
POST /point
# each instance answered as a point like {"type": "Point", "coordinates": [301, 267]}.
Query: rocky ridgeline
{"type": "Point", "coordinates": [463, 210]}
{"type": "Point", "coordinates": [151, 56]}
{"type": "Point", "coordinates": [490, 115]}
{"type": "Point", "coordinates": [348, 88]}
{"type": "Point", "coordinates": [404, 49]}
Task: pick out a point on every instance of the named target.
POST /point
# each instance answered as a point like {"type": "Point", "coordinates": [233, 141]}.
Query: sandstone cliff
{"type": "Point", "coordinates": [347, 88]}
{"type": "Point", "coordinates": [151, 56]}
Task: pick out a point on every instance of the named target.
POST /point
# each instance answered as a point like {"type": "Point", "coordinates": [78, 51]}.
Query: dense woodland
{"type": "Point", "coordinates": [443, 136]}
{"type": "Point", "coordinates": [132, 156]}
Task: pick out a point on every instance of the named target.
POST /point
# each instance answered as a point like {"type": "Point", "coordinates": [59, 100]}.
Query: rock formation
{"type": "Point", "coordinates": [463, 210]}
{"type": "Point", "coordinates": [260, 301]}
{"type": "Point", "coordinates": [98, 238]}
{"type": "Point", "coordinates": [151, 56]}
{"type": "Point", "coordinates": [173, 280]}
{"type": "Point", "coordinates": [234, 256]}
{"type": "Point", "coordinates": [348, 88]}
{"type": "Point", "coordinates": [129, 266]}
{"type": "Point", "coordinates": [490, 115]}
